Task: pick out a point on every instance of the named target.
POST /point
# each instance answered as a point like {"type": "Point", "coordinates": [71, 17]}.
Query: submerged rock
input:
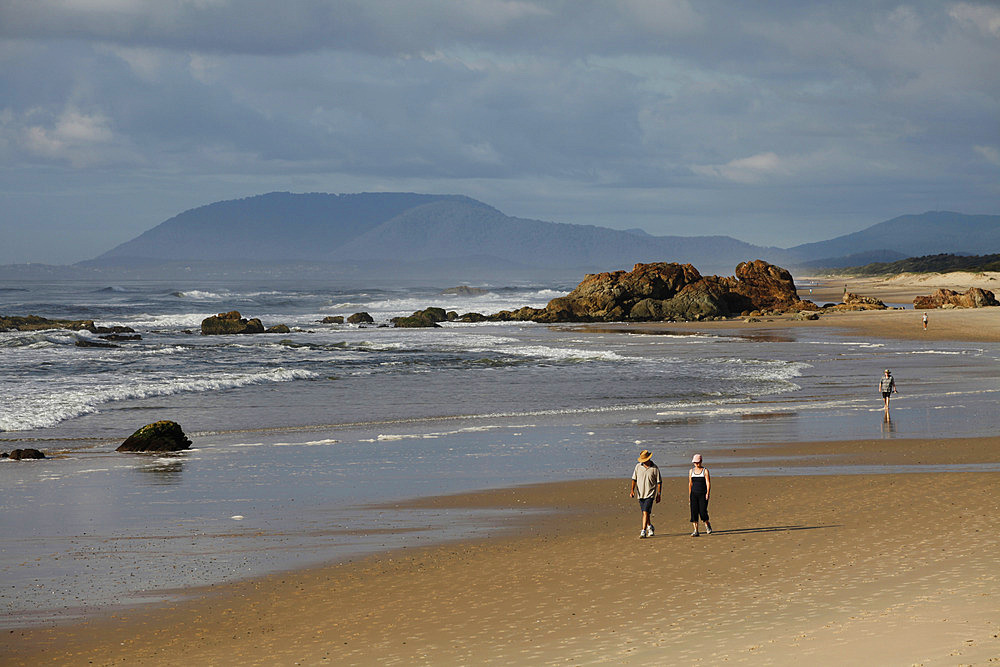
{"type": "Point", "coordinates": [161, 436]}
{"type": "Point", "coordinates": [465, 290]}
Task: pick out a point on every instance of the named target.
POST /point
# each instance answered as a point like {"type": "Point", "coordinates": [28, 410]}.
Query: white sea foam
{"type": "Point", "coordinates": [45, 406]}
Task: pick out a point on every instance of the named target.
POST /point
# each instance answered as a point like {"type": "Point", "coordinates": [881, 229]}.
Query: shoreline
{"type": "Point", "coordinates": [798, 568]}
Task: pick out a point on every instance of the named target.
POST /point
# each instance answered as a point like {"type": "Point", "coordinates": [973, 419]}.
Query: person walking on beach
{"type": "Point", "coordinates": [647, 483]}
{"type": "Point", "coordinates": [887, 385]}
{"type": "Point", "coordinates": [925, 321]}
{"type": "Point", "coordinates": [699, 487]}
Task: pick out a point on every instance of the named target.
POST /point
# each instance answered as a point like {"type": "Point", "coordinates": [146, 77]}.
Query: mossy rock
{"type": "Point", "coordinates": [161, 436]}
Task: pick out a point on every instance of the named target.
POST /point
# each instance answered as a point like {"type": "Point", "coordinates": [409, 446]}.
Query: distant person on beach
{"type": "Point", "coordinates": [647, 483]}
{"type": "Point", "coordinates": [887, 385]}
{"type": "Point", "coordinates": [699, 487]}
{"type": "Point", "coordinates": [925, 321]}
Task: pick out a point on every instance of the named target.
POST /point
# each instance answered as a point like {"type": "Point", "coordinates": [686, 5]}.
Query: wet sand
{"type": "Point", "coordinates": [853, 569]}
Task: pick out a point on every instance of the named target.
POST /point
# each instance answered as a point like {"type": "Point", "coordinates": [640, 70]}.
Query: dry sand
{"type": "Point", "coordinates": [832, 570]}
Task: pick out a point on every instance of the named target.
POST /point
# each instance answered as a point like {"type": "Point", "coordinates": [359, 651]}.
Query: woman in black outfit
{"type": "Point", "coordinates": [699, 486]}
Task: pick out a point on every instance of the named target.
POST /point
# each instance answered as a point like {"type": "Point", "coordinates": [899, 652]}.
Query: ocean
{"type": "Point", "coordinates": [301, 440]}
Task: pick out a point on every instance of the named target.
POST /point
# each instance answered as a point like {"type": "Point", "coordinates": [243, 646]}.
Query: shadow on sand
{"type": "Point", "coordinates": [768, 529]}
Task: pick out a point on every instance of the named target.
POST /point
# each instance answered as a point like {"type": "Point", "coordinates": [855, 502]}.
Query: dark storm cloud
{"type": "Point", "coordinates": [775, 123]}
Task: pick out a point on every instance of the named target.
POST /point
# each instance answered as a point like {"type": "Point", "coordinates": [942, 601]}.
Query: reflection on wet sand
{"type": "Point", "coordinates": [163, 471]}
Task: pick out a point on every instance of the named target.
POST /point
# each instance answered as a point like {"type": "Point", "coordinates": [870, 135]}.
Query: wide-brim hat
{"type": "Point", "coordinates": [645, 455]}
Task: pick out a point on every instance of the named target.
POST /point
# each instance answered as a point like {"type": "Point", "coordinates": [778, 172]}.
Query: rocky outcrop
{"type": "Point", "coordinates": [975, 297]}
{"type": "Point", "coordinates": [360, 318]}
{"type": "Point", "coordinates": [36, 323]}
{"type": "Point", "coordinates": [230, 323]}
{"type": "Point", "coordinates": [333, 319]}
{"type": "Point", "coordinates": [668, 291]}
{"type": "Point", "coordinates": [854, 301]}
{"type": "Point", "coordinates": [22, 454]}
{"type": "Point", "coordinates": [279, 329]}
{"type": "Point", "coordinates": [161, 436]}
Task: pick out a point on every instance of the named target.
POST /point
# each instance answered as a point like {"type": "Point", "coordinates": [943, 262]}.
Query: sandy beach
{"type": "Point", "coordinates": [846, 569]}
{"type": "Point", "coordinates": [861, 568]}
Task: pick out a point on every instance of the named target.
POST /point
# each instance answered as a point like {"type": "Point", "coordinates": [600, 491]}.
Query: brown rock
{"type": "Point", "coordinates": [975, 297]}
{"type": "Point", "coordinates": [230, 323]}
{"type": "Point", "coordinates": [669, 291]}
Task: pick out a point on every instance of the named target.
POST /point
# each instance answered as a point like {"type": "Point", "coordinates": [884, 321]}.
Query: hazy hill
{"type": "Point", "coordinates": [436, 236]}
{"type": "Point", "coordinates": [454, 228]}
{"type": "Point", "coordinates": [929, 233]}
{"type": "Point", "coordinates": [273, 227]}
{"type": "Point", "coordinates": [410, 231]}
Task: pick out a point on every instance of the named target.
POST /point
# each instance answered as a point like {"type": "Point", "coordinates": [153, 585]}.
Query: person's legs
{"type": "Point", "coordinates": [694, 515]}
{"type": "Point", "coordinates": [646, 505]}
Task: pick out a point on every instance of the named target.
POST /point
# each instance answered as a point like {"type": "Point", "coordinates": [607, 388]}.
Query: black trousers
{"type": "Point", "coordinates": [699, 507]}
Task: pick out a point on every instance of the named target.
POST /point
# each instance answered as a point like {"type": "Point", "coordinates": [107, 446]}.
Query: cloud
{"type": "Point", "coordinates": [985, 18]}
{"type": "Point", "coordinates": [752, 169]}
{"type": "Point", "coordinates": [74, 137]}
{"type": "Point", "coordinates": [989, 153]}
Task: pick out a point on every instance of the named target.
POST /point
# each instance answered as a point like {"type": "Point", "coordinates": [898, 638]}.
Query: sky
{"type": "Point", "coordinates": [777, 123]}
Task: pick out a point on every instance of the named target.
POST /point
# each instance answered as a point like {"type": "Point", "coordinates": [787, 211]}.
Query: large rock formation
{"type": "Point", "coordinates": [230, 323]}
{"type": "Point", "coordinates": [668, 291]}
{"type": "Point", "coordinates": [975, 297]}
{"type": "Point", "coordinates": [161, 436]}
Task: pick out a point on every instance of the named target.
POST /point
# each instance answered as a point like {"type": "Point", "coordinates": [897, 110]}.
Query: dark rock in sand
{"type": "Point", "coordinates": [333, 319]}
{"type": "Point", "coordinates": [360, 318]}
{"type": "Point", "coordinates": [161, 436]}
{"type": "Point", "coordinates": [230, 323]}
{"type": "Point", "coordinates": [22, 454]}
{"type": "Point", "coordinates": [974, 297]}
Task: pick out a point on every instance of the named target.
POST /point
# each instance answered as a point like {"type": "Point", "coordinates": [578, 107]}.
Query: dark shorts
{"type": "Point", "coordinates": [646, 504]}
{"type": "Point", "coordinates": [886, 394]}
